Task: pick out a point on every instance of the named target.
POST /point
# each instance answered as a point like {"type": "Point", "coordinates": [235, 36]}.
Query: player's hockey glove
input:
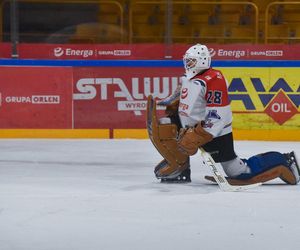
{"type": "Point", "coordinates": [190, 139]}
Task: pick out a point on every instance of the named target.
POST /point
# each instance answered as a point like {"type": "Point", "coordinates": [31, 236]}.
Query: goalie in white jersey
{"type": "Point", "coordinates": [200, 107]}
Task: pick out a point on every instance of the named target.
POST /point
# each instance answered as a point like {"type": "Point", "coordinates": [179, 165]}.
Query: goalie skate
{"type": "Point", "coordinates": [293, 166]}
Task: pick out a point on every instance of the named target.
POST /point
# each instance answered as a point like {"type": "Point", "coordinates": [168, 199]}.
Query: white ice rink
{"type": "Point", "coordinates": [102, 195]}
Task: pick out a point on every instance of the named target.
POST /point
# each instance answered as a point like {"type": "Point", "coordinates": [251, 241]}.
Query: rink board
{"type": "Point", "coordinates": [149, 51]}
{"type": "Point", "coordinates": [106, 99]}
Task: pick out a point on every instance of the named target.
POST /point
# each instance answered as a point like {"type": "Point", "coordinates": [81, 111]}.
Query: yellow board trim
{"type": "Point", "coordinates": [130, 133]}
{"type": "Point", "coordinates": [267, 135]}
{"type": "Point", "coordinates": [55, 133]}
{"type": "Point", "coordinates": [251, 135]}
{"type": "Point", "coordinates": [254, 135]}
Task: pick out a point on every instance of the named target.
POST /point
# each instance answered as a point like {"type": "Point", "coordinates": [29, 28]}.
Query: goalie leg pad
{"type": "Point", "coordinates": [266, 161]}
{"type": "Point", "coordinates": [278, 171]}
{"type": "Point", "coordinates": [163, 137]}
{"type": "Point", "coordinates": [268, 166]}
{"type": "Point", "coordinates": [262, 162]}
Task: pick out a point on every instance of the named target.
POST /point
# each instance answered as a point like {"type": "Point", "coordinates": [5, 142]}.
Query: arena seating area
{"type": "Point", "coordinates": [219, 21]}
{"type": "Point", "coordinates": [258, 21]}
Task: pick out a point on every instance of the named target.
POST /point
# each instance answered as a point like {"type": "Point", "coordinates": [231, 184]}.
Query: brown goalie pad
{"type": "Point", "coordinates": [280, 171]}
{"type": "Point", "coordinates": [163, 137]}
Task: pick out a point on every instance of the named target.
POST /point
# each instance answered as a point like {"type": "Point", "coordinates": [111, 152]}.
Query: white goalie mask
{"type": "Point", "coordinates": [196, 59]}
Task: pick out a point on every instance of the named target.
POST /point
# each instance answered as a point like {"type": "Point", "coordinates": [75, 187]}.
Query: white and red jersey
{"type": "Point", "coordinates": [205, 98]}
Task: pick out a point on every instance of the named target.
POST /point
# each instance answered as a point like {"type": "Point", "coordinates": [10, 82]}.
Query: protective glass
{"type": "Point", "coordinates": [189, 62]}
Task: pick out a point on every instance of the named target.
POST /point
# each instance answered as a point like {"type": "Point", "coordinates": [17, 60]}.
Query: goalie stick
{"type": "Point", "coordinates": [220, 178]}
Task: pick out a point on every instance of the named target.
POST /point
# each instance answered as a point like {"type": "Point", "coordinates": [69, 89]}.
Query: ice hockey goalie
{"type": "Point", "coordinates": [198, 114]}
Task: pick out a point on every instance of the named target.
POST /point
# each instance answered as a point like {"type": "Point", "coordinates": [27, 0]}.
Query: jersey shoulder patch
{"type": "Point", "coordinates": [212, 74]}
{"type": "Point", "coordinates": [199, 82]}
{"type": "Point", "coordinates": [208, 75]}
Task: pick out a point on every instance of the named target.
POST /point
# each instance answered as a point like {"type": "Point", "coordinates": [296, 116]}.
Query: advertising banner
{"type": "Point", "coordinates": [153, 51]}
{"type": "Point", "coordinates": [35, 97]}
{"type": "Point", "coordinates": [91, 52]}
{"type": "Point", "coordinates": [264, 98]}
{"type": "Point", "coordinates": [261, 98]}
{"type": "Point", "coordinates": [116, 97]}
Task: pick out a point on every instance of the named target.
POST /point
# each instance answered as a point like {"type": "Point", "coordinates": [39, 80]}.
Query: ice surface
{"type": "Point", "coordinates": [102, 194]}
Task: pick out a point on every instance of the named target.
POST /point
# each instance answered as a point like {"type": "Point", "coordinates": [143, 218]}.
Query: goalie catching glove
{"type": "Point", "coordinates": [190, 139]}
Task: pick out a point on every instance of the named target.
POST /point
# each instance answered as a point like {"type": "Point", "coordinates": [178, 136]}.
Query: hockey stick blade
{"type": "Point", "coordinates": [220, 178]}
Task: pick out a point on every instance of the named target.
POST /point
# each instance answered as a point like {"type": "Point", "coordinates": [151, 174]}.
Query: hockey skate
{"type": "Point", "coordinates": [184, 177]}
{"type": "Point", "coordinates": [293, 165]}
{"type": "Point", "coordinates": [180, 176]}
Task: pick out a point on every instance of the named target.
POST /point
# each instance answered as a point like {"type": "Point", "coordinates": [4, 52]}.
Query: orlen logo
{"type": "Point", "coordinates": [58, 52]}
{"type": "Point", "coordinates": [280, 108]}
{"type": "Point", "coordinates": [280, 101]}
{"type": "Point", "coordinates": [34, 99]}
{"type": "Point", "coordinates": [184, 93]}
{"type": "Point", "coordinates": [122, 52]}
{"type": "Point", "coordinates": [135, 95]}
{"type": "Point", "coordinates": [274, 53]}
